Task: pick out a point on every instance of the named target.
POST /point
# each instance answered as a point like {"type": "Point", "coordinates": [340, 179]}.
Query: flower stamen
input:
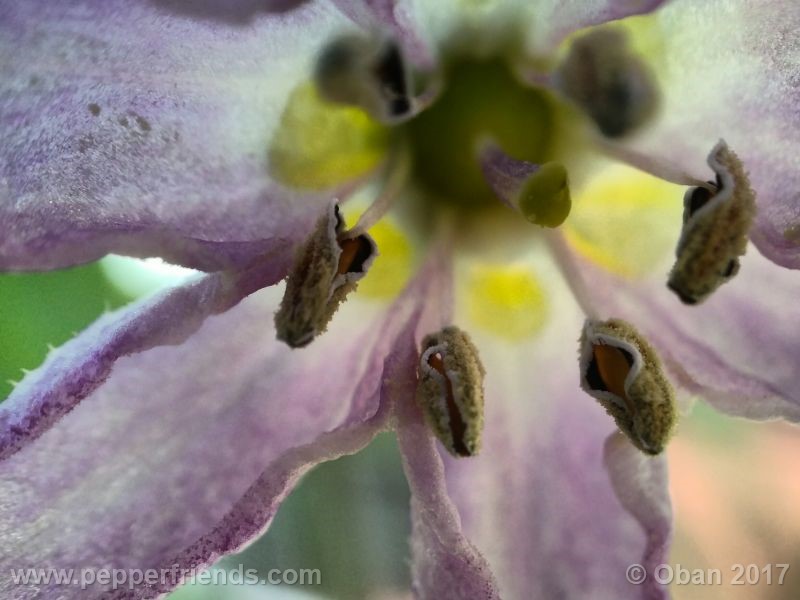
{"type": "Point", "coordinates": [396, 180]}
{"type": "Point", "coordinates": [450, 390]}
{"type": "Point", "coordinates": [657, 167]}
{"type": "Point", "coordinates": [716, 222]}
{"type": "Point", "coordinates": [369, 72]}
{"type": "Point", "coordinates": [605, 78]}
{"type": "Point", "coordinates": [328, 266]}
{"type": "Point", "coordinates": [622, 371]}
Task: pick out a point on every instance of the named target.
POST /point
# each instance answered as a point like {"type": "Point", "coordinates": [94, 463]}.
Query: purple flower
{"type": "Point", "coordinates": [220, 136]}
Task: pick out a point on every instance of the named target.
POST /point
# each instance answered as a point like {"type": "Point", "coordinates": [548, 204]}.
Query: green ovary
{"type": "Point", "coordinates": [480, 100]}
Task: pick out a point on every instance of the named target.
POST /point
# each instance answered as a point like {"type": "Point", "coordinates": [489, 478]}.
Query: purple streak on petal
{"type": "Point", "coordinates": [640, 483]}
{"type": "Point", "coordinates": [185, 452]}
{"type": "Point", "coordinates": [445, 564]}
{"type": "Point", "coordinates": [504, 174]}
{"type": "Point", "coordinates": [398, 18]}
{"type": "Point", "coordinates": [729, 70]}
{"type": "Point", "coordinates": [560, 18]}
{"type": "Point", "coordinates": [128, 130]}
{"type": "Point", "coordinates": [740, 349]}
{"type": "Point", "coordinates": [537, 501]}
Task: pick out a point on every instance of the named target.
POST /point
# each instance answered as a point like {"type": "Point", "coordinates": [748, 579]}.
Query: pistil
{"type": "Point", "coordinates": [539, 192]}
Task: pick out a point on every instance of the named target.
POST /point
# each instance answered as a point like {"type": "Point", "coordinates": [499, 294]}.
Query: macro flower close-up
{"type": "Point", "coordinates": [525, 239]}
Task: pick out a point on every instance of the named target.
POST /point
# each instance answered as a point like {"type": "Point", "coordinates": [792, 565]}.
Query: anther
{"type": "Point", "coordinates": [539, 192]}
{"type": "Point", "coordinates": [622, 371]}
{"type": "Point", "coordinates": [716, 223]}
{"type": "Point", "coordinates": [328, 266]}
{"type": "Point", "coordinates": [450, 390]}
{"type": "Point", "coordinates": [367, 72]}
{"type": "Point", "coordinates": [605, 78]}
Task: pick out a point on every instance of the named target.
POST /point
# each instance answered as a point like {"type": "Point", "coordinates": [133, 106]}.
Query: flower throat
{"type": "Point", "coordinates": [482, 101]}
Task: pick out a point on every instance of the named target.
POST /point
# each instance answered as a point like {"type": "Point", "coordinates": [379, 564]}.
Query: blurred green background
{"type": "Point", "coordinates": [735, 484]}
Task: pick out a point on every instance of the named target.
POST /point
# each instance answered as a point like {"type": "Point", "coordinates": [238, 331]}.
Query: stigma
{"type": "Point", "coordinates": [539, 192]}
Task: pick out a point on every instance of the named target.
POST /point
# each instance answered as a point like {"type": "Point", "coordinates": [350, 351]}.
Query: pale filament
{"type": "Point", "coordinates": [443, 250]}
{"type": "Point", "coordinates": [658, 168]}
{"type": "Point", "coordinates": [429, 96]}
{"type": "Point", "coordinates": [399, 170]}
{"type": "Point", "coordinates": [420, 102]}
{"type": "Point", "coordinates": [569, 270]}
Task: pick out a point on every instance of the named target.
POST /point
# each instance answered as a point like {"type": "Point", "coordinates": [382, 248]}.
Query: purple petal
{"type": "Point", "coordinates": [129, 129]}
{"type": "Point", "coordinates": [728, 69]}
{"type": "Point", "coordinates": [739, 349]}
{"type": "Point", "coordinates": [537, 500]}
{"type": "Point", "coordinates": [186, 451]}
{"type": "Point", "coordinates": [76, 369]}
{"type": "Point", "coordinates": [640, 483]}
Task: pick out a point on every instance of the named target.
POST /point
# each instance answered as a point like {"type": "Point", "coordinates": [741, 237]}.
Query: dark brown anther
{"type": "Point", "coordinates": [606, 79]}
{"type": "Point", "coordinates": [622, 371]}
{"type": "Point", "coordinates": [368, 72]}
{"type": "Point", "coordinates": [716, 223]}
{"type": "Point", "coordinates": [450, 390]}
{"type": "Point", "coordinates": [328, 266]}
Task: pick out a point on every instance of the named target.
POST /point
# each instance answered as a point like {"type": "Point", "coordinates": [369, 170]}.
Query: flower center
{"type": "Point", "coordinates": [482, 99]}
{"type": "Point", "coordinates": [476, 138]}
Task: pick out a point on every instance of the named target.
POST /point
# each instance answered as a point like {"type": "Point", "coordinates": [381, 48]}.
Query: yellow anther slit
{"type": "Point", "coordinates": [457, 426]}
{"type": "Point", "coordinates": [622, 371]}
{"type": "Point", "coordinates": [613, 367]}
{"type": "Point", "coordinates": [450, 390]}
{"type": "Point", "coordinates": [354, 251]}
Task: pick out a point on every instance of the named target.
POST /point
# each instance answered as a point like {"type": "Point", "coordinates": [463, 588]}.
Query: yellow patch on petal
{"type": "Point", "coordinates": [507, 301]}
{"type": "Point", "coordinates": [319, 144]}
{"type": "Point", "coordinates": [647, 37]}
{"type": "Point", "coordinates": [626, 221]}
